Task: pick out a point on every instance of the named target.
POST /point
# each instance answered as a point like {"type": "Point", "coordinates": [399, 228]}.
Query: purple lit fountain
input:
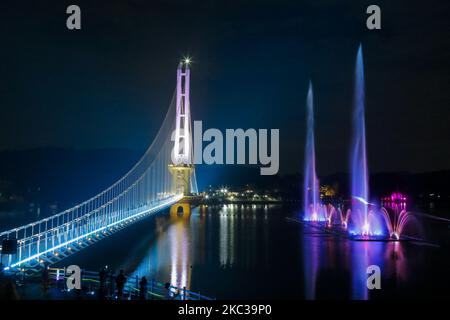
{"type": "Point", "coordinates": [312, 207]}
{"type": "Point", "coordinates": [363, 220]}
{"type": "Point", "coordinates": [395, 215]}
{"type": "Point", "coordinates": [359, 171]}
{"type": "Point", "coordinates": [367, 221]}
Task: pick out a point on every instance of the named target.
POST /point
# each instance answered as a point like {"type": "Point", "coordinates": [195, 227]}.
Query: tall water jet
{"type": "Point", "coordinates": [359, 171]}
{"type": "Point", "coordinates": [310, 185]}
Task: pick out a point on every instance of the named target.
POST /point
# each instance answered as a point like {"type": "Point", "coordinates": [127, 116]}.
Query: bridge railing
{"type": "Point", "coordinates": [48, 235]}
{"type": "Point", "coordinates": [146, 187]}
{"type": "Point", "coordinates": [155, 289]}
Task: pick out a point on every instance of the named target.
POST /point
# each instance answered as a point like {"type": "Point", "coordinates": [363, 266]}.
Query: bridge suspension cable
{"type": "Point", "coordinates": [145, 189]}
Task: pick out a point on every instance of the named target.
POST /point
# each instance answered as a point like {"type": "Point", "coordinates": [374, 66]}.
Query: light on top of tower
{"type": "Point", "coordinates": [187, 60]}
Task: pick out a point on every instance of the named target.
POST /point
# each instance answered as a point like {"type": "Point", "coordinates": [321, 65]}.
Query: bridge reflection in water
{"type": "Point", "coordinates": [244, 251]}
{"type": "Point", "coordinates": [170, 254]}
{"type": "Point", "coordinates": [231, 250]}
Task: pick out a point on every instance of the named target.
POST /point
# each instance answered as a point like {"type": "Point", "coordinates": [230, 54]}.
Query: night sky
{"type": "Point", "coordinates": [109, 84]}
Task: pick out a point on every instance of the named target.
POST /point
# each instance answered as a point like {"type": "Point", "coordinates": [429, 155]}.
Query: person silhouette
{"type": "Point", "coordinates": [102, 279]}
{"type": "Point", "coordinates": [120, 283]}
{"type": "Point", "coordinates": [143, 288]}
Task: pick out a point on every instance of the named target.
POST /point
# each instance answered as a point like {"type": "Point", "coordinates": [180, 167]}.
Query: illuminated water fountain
{"type": "Point", "coordinates": [359, 170]}
{"type": "Point", "coordinates": [363, 220]}
{"type": "Point", "coordinates": [366, 219]}
{"type": "Point", "coordinates": [313, 210]}
{"type": "Point", "coordinates": [337, 216]}
{"type": "Point", "coordinates": [396, 216]}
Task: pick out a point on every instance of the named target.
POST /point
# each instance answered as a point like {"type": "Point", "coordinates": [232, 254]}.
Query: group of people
{"type": "Point", "coordinates": [108, 283]}
{"type": "Point", "coordinates": [120, 281]}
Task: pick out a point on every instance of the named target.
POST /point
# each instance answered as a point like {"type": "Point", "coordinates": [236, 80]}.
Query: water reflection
{"type": "Point", "coordinates": [312, 260]}
{"type": "Point", "coordinates": [359, 263]}
{"type": "Point", "coordinates": [169, 257]}
{"type": "Point", "coordinates": [179, 237]}
{"type": "Point", "coordinates": [227, 227]}
{"type": "Point", "coordinates": [243, 251]}
{"type": "Point", "coordinates": [397, 268]}
{"type": "Point", "coordinates": [239, 232]}
{"type": "Point", "coordinates": [337, 268]}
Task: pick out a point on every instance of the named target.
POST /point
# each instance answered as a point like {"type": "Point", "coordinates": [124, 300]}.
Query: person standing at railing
{"type": "Point", "coordinates": [111, 284]}
{"type": "Point", "coordinates": [45, 277]}
{"type": "Point", "coordinates": [143, 288]}
{"type": "Point", "coordinates": [102, 279]}
{"type": "Point", "coordinates": [168, 294]}
{"type": "Point", "coordinates": [121, 279]}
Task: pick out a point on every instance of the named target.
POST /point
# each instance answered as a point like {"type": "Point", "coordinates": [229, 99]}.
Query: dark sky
{"type": "Point", "coordinates": [109, 85]}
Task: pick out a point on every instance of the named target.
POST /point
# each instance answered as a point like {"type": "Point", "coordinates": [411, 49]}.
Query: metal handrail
{"type": "Point", "coordinates": [157, 289]}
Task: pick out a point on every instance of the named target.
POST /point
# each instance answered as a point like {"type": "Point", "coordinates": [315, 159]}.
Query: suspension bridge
{"type": "Point", "coordinates": [163, 178]}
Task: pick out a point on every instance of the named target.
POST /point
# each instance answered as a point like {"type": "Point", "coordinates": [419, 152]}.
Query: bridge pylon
{"type": "Point", "coordinates": [181, 209]}
{"type": "Point", "coordinates": [182, 167]}
{"type": "Point", "coordinates": [181, 180]}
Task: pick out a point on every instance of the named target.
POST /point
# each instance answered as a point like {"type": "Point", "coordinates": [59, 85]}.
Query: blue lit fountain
{"type": "Point", "coordinates": [313, 211]}
{"type": "Point", "coordinates": [359, 171]}
{"type": "Point", "coordinates": [366, 220]}
{"type": "Point", "coordinates": [363, 220]}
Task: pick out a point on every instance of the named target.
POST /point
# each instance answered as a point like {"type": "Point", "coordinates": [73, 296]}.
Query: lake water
{"type": "Point", "coordinates": [252, 251]}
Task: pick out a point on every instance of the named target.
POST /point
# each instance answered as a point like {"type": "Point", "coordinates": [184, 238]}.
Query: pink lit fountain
{"type": "Point", "coordinates": [337, 216]}
{"type": "Point", "coordinates": [395, 214]}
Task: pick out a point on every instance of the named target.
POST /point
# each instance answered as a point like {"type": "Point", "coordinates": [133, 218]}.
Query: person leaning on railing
{"type": "Point", "coordinates": [143, 288]}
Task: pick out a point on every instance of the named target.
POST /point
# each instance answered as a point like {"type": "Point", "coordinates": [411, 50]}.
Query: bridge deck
{"type": "Point", "coordinates": [49, 245]}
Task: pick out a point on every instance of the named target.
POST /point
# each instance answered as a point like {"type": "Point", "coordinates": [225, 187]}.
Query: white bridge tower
{"type": "Point", "coordinates": [182, 167]}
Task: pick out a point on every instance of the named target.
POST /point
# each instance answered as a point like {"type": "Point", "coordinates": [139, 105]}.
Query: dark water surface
{"type": "Point", "coordinates": [253, 251]}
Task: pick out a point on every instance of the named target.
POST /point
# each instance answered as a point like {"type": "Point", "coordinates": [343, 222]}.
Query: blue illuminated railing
{"type": "Point", "coordinates": [54, 238]}
{"type": "Point", "coordinates": [155, 289]}
{"type": "Point", "coordinates": [146, 188]}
